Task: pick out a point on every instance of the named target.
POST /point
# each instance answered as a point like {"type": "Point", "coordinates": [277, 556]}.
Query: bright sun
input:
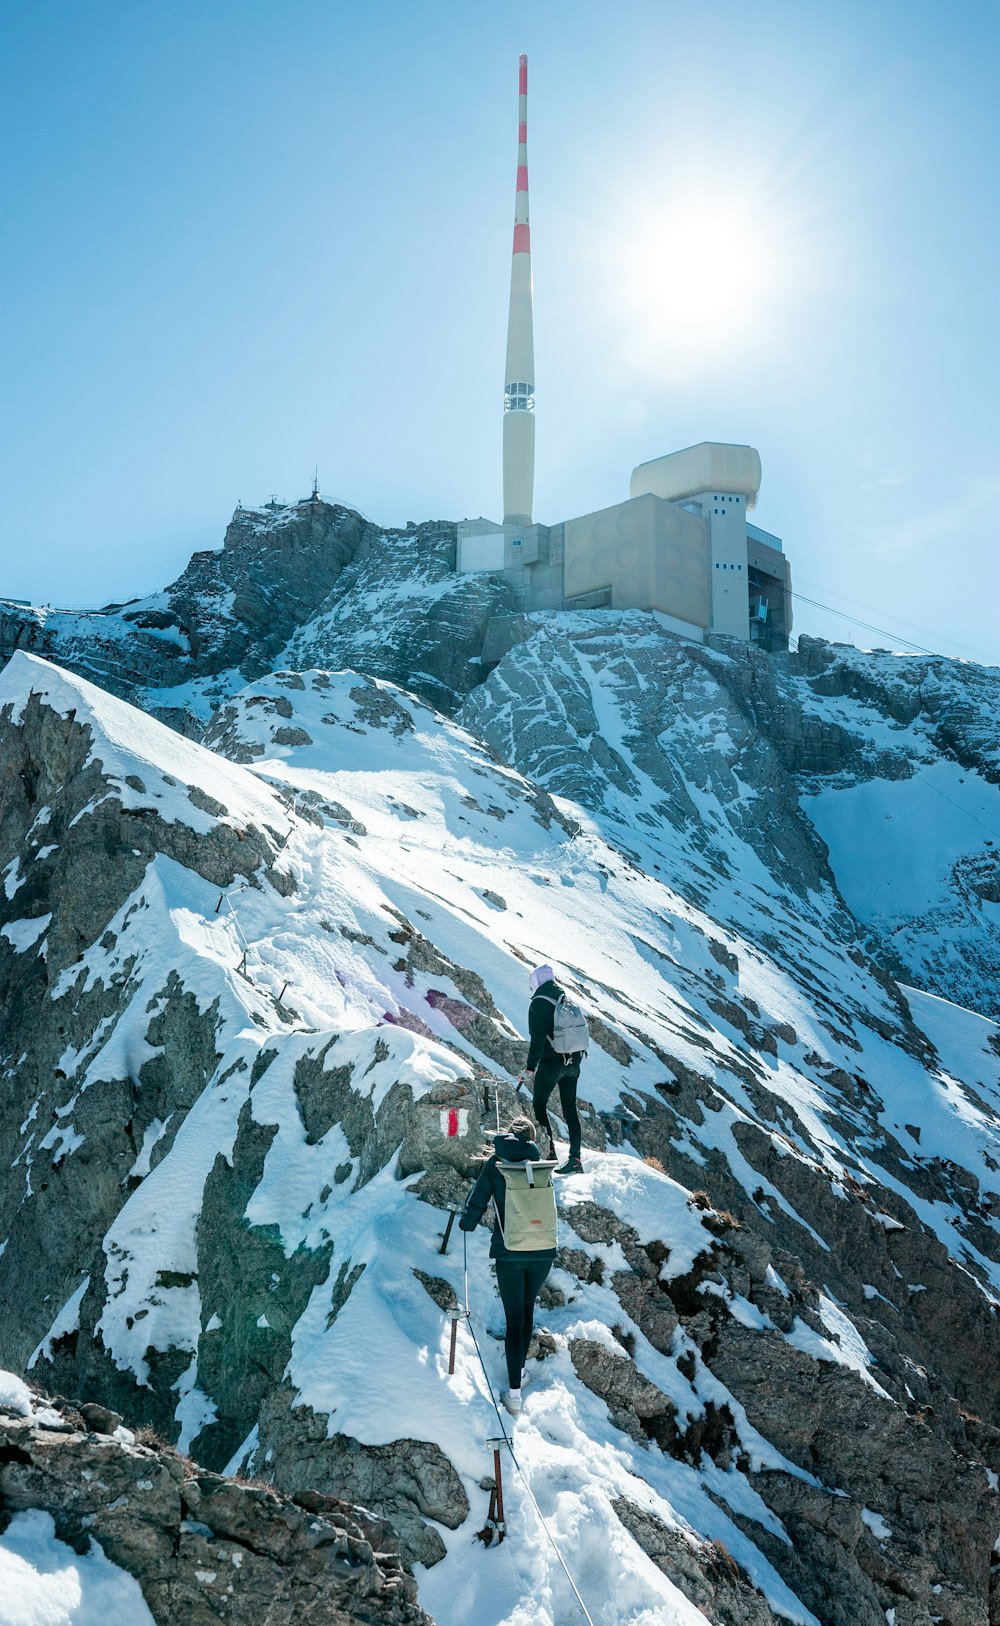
{"type": "Point", "coordinates": [694, 279]}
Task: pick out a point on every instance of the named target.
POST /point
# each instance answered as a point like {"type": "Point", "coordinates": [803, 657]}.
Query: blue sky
{"type": "Point", "coordinates": [244, 238]}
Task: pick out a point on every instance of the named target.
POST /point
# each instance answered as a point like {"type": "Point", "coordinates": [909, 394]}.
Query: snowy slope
{"type": "Point", "coordinates": [248, 1071]}
{"type": "Point", "coordinates": [45, 1583]}
{"type": "Point", "coordinates": [859, 792]}
{"type": "Point", "coordinates": [912, 817]}
{"type": "Point", "coordinates": [894, 758]}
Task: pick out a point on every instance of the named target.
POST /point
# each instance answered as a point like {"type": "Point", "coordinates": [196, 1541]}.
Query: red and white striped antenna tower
{"type": "Point", "coordinates": [519, 377]}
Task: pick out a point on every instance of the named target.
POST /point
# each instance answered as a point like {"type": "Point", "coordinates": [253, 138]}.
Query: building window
{"type": "Point", "coordinates": [519, 398]}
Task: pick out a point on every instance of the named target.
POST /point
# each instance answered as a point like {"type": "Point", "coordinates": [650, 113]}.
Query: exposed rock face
{"type": "Point", "coordinates": [401, 612]}
{"type": "Point", "coordinates": [309, 584]}
{"type": "Point", "coordinates": [923, 782]}
{"type": "Point", "coordinates": [231, 610]}
{"type": "Point", "coordinates": [413, 1477]}
{"type": "Point", "coordinates": [241, 604]}
{"type": "Point", "coordinates": [203, 1548]}
{"type": "Point", "coordinates": [84, 840]}
{"type": "Point", "coordinates": [704, 1572]}
{"type": "Point", "coordinates": [931, 1493]}
{"type": "Point", "coordinates": [716, 754]}
{"type": "Point", "coordinates": [691, 776]}
{"type": "Point", "coordinates": [892, 1494]}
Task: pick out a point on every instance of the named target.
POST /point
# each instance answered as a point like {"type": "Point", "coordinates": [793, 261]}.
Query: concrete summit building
{"type": "Point", "coordinates": [680, 544]}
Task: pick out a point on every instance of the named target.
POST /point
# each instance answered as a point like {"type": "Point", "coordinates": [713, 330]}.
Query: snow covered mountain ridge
{"type": "Point", "coordinates": [895, 757]}
{"type": "Point", "coordinates": [302, 585]}
{"type": "Point", "coordinates": [250, 983]}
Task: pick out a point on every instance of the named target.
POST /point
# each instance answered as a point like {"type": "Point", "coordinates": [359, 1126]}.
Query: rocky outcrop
{"type": "Point", "coordinates": [920, 1516]}
{"type": "Point", "coordinates": [884, 1503]}
{"type": "Point", "coordinates": [704, 1571]}
{"type": "Point", "coordinates": [401, 612]}
{"type": "Point", "coordinates": [691, 773]}
{"type": "Point", "coordinates": [229, 613]}
{"type": "Point", "coordinates": [408, 1481]}
{"type": "Point", "coordinates": [203, 1548]}
{"type": "Point", "coordinates": [309, 584]}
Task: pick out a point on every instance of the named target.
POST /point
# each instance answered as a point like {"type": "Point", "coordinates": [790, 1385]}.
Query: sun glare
{"type": "Point", "coordinates": [696, 276]}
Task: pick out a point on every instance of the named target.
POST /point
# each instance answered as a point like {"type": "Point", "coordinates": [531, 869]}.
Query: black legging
{"type": "Point", "coordinates": [519, 1281]}
{"type": "Point", "coordinates": [553, 1070]}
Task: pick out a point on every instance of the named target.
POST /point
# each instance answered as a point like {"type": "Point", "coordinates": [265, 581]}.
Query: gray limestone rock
{"type": "Point", "coordinates": [245, 1353]}
{"type": "Point", "coordinates": [407, 1481]}
{"type": "Point", "coordinates": [98, 857]}
{"type": "Point", "coordinates": [201, 1547]}
{"type": "Point", "coordinates": [706, 1572]}
{"type": "Point", "coordinates": [748, 738]}
{"type": "Point", "coordinates": [617, 1379]}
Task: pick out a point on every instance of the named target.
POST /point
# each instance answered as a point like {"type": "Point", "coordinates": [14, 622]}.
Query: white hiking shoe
{"type": "Point", "coordinates": [512, 1400]}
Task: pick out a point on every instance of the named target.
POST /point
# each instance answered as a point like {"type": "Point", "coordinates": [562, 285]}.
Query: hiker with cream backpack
{"type": "Point", "coordinates": [519, 1184]}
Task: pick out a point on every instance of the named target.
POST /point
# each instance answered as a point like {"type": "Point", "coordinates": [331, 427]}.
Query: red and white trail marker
{"type": "Point", "coordinates": [454, 1121]}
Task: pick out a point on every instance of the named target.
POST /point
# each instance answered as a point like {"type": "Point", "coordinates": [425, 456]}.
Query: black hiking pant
{"type": "Point", "coordinates": [564, 1071]}
{"type": "Point", "coordinates": [520, 1282]}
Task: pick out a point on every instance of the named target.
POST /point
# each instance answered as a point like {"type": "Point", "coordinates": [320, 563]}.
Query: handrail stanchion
{"type": "Point", "coordinates": [495, 1525]}
{"type": "Point", "coordinates": [454, 1316]}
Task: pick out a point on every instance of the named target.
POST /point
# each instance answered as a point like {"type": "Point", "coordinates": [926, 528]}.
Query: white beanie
{"type": "Point", "coordinates": [541, 973]}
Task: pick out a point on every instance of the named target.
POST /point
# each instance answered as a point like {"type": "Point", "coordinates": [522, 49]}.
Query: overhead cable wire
{"type": "Point", "coordinates": [883, 632]}
{"type": "Point", "coordinates": [937, 791]}
{"type": "Point", "coordinates": [974, 817]}
{"type": "Point", "coordinates": [914, 627]}
{"type": "Point", "coordinates": [510, 1444]}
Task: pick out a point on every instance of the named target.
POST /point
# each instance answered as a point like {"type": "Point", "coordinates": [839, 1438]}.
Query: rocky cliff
{"type": "Point", "coordinates": [857, 791]}
{"type": "Point", "coordinates": [260, 1001]}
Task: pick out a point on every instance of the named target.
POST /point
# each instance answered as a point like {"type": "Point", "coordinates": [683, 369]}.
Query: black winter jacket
{"type": "Point", "coordinates": [541, 1015]}
{"type": "Point", "coordinates": [490, 1187]}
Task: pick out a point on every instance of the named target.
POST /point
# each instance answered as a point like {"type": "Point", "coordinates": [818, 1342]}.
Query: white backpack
{"type": "Point", "coordinates": [570, 1033]}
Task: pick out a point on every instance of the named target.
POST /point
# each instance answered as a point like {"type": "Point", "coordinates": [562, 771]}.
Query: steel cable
{"type": "Point", "coordinates": [510, 1444]}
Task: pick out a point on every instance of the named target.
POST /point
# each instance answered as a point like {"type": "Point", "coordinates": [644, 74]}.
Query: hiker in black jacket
{"type": "Point", "coordinates": [519, 1275]}
{"type": "Point", "coordinates": [545, 1068]}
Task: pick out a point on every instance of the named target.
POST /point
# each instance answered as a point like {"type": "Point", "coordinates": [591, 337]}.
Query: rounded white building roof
{"type": "Point", "coordinates": [710, 466]}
